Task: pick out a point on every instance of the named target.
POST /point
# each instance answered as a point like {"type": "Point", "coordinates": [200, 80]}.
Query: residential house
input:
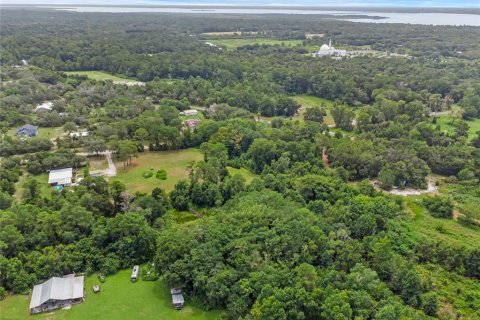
{"type": "Point", "coordinates": [57, 293]}
{"type": "Point", "coordinates": [27, 130]}
{"type": "Point", "coordinates": [60, 177]}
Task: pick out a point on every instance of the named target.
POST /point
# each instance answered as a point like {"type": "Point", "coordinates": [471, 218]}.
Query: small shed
{"type": "Point", "coordinates": [27, 130]}
{"type": "Point", "coordinates": [96, 288]}
{"type": "Point", "coordinates": [177, 298]}
{"type": "Point", "coordinates": [135, 271]}
{"type": "Point", "coordinates": [78, 134]}
{"type": "Point", "coordinates": [60, 177]}
{"type": "Point", "coordinates": [46, 106]}
{"type": "Point", "coordinates": [191, 112]}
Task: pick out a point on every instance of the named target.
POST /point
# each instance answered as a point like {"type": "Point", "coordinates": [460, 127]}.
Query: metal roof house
{"type": "Point", "coordinates": [60, 177]}
{"type": "Point", "coordinates": [27, 130]}
{"type": "Point", "coordinates": [177, 298]}
{"type": "Point", "coordinates": [57, 293]}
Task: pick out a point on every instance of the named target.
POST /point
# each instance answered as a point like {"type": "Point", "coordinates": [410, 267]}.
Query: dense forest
{"type": "Point", "coordinates": [310, 236]}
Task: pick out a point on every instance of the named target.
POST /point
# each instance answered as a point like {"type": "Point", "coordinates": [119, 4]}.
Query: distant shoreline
{"type": "Point", "coordinates": [474, 11]}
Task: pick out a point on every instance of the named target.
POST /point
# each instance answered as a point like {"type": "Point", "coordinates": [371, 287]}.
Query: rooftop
{"type": "Point", "coordinates": [57, 289]}
{"type": "Point", "coordinates": [60, 176]}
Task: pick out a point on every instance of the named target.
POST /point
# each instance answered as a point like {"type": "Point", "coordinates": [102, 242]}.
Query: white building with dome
{"type": "Point", "coordinates": [329, 50]}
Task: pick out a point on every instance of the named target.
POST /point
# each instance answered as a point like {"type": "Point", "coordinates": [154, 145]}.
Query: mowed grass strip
{"type": "Point", "coordinates": [174, 162]}
{"type": "Point", "coordinates": [232, 44]}
{"type": "Point", "coordinates": [97, 75]}
{"type": "Point", "coordinates": [119, 299]}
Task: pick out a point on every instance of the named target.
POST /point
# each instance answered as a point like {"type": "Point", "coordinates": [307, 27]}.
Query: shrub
{"type": "Point", "coordinates": [2, 293]}
{"type": "Point", "coordinates": [149, 273]}
{"type": "Point", "coordinates": [161, 174]}
{"type": "Point", "coordinates": [439, 207]}
{"type": "Point", "coordinates": [147, 174]}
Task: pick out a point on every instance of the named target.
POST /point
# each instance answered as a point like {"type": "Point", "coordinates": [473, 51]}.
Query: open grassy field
{"type": "Point", "coordinates": [448, 230]}
{"type": "Point", "coordinates": [248, 175]}
{"type": "Point", "coordinates": [234, 43]}
{"type": "Point", "coordinates": [119, 299]}
{"type": "Point", "coordinates": [97, 75]}
{"type": "Point", "coordinates": [309, 101]}
{"type": "Point", "coordinates": [457, 294]}
{"type": "Point", "coordinates": [45, 189]}
{"type": "Point", "coordinates": [445, 123]}
{"type": "Point", "coordinates": [174, 162]}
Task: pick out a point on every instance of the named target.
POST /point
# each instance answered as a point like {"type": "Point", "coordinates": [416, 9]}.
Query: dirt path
{"type": "Point", "coordinates": [432, 188]}
{"type": "Point", "coordinates": [111, 171]}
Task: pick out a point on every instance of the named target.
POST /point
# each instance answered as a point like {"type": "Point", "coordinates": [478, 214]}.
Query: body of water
{"type": "Point", "coordinates": [426, 18]}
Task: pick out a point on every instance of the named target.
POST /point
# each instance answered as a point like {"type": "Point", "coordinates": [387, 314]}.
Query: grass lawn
{"type": "Point", "coordinates": [445, 123]}
{"type": "Point", "coordinates": [232, 44]}
{"type": "Point", "coordinates": [47, 133]}
{"type": "Point", "coordinates": [119, 299]}
{"type": "Point", "coordinates": [448, 230]}
{"type": "Point", "coordinates": [174, 162]}
{"type": "Point", "coordinates": [309, 101]}
{"type": "Point", "coordinates": [45, 189]}
{"type": "Point", "coordinates": [97, 75]}
{"type": "Point", "coordinates": [247, 174]}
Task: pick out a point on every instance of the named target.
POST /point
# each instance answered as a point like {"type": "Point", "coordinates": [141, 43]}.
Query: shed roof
{"type": "Point", "coordinates": [177, 299]}
{"type": "Point", "coordinates": [57, 289]}
{"type": "Point", "coordinates": [61, 176]}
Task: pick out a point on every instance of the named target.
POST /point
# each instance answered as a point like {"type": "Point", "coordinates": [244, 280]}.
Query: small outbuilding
{"type": "Point", "coordinates": [96, 288]}
{"type": "Point", "coordinates": [177, 298]}
{"type": "Point", "coordinates": [78, 134]}
{"type": "Point", "coordinates": [27, 130]}
{"type": "Point", "coordinates": [191, 112]}
{"type": "Point", "coordinates": [57, 293]}
{"type": "Point", "coordinates": [135, 271]}
{"type": "Point", "coordinates": [60, 177]}
{"type": "Point", "coordinates": [46, 106]}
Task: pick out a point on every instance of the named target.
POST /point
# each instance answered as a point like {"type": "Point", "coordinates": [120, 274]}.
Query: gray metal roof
{"type": "Point", "coordinates": [57, 289]}
{"type": "Point", "coordinates": [175, 291]}
{"type": "Point", "coordinates": [28, 127]}
{"type": "Point", "coordinates": [60, 176]}
{"type": "Point", "coordinates": [177, 299]}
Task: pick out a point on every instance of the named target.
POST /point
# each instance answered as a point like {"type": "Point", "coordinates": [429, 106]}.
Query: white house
{"type": "Point", "coordinates": [48, 106]}
{"type": "Point", "coordinates": [79, 134]}
{"type": "Point", "coordinates": [57, 293]}
{"type": "Point", "coordinates": [60, 177]}
{"type": "Point", "coordinates": [191, 112]}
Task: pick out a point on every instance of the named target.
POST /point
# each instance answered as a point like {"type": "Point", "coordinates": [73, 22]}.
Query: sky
{"type": "Point", "coordinates": [347, 3]}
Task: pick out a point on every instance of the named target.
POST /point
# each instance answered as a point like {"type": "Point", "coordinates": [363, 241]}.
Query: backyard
{"type": "Point", "coordinates": [175, 163]}
{"type": "Point", "coordinates": [118, 299]}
